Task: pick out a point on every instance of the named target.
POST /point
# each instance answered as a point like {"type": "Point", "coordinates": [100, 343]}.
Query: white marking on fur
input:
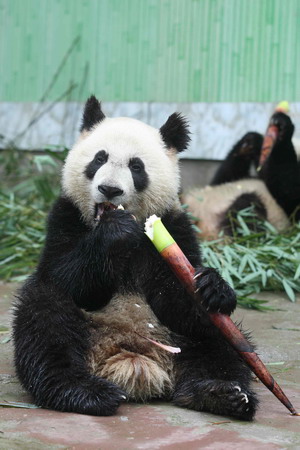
{"type": "Point", "coordinates": [150, 325]}
{"type": "Point", "coordinates": [138, 306]}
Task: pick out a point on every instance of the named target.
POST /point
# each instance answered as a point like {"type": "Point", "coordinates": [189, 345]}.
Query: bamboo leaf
{"type": "Point", "coordinates": [297, 273]}
{"type": "Point", "coordinates": [289, 291]}
{"type": "Point", "coordinates": [250, 277]}
{"type": "Point", "coordinates": [18, 405]}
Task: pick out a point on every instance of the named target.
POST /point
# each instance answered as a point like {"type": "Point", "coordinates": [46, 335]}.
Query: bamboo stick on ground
{"type": "Point", "coordinates": [185, 272]}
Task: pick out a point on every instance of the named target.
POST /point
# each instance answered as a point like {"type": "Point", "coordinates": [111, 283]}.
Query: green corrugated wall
{"type": "Point", "coordinates": [150, 50]}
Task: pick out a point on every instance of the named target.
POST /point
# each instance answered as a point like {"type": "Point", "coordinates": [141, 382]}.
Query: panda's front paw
{"type": "Point", "coordinates": [120, 227]}
{"type": "Point", "coordinates": [249, 146]}
{"type": "Point", "coordinates": [214, 293]}
{"type": "Point", "coordinates": [284, 124]}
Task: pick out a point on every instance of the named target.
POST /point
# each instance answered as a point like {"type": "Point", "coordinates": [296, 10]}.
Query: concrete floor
{"type": "Point", "coordinates": [160, 425]}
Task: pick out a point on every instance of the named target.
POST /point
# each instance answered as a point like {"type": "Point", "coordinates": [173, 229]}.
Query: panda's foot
{"type": "Point", "coordinates": [218, 397]}
{"type": "Point", "coordinates": [92, 396]}
{"type": "Point", "coordinates": [214, 293]}
{"type": "Point", "coordinates": [284, 124]}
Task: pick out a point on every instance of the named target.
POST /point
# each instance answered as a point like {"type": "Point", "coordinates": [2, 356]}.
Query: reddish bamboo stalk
{"type": "Point", "coordinates": [270, 137]}
{"type": "Point", "coordinates": [185, 272]}
{"type": "Point", "coordinates": [267, 145]}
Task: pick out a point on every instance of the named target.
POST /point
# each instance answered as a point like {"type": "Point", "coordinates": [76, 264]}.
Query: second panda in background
{"type": "Point", "coordinates": [274, 194]}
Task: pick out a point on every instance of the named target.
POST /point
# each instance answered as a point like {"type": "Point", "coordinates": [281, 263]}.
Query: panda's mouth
{"type": "Point", "coordinates": [100, 208]}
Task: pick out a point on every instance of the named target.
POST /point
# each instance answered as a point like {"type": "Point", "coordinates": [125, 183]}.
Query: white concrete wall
{"type": "Point", "coordinates": [215, 126]}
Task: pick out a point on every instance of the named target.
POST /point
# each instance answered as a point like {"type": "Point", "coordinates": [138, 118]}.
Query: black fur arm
{"type": "Point", "coordinates": [86, 262]}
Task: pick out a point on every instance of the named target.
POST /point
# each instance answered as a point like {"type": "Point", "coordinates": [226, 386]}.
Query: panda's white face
{"type": "Point", "coordinates": [122, 161]}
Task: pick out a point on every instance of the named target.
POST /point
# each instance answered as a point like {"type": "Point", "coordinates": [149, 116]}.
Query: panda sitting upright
{"type": "Point", "coordinates": [87, 320]}
{"type": "Point", "coordinates": [274, 192]}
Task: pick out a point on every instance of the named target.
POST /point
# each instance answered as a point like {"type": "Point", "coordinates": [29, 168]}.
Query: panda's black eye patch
{"type": "Point", "coordinates": [135, 166]}
{"type": "Point", "coordinates": [139, 174]}
{"type": "Point", "coordinates": [99, 159]}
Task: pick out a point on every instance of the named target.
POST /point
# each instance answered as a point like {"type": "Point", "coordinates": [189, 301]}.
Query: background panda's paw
{"type": "Point", "coordinates": [217, 396]}
{"type": "Point", "coordinates": [117, 227]}
{"type": "Point", "coordinates": [284, 124]}
{"type": "Point", "coordinates": [214, 293]}
{"type": "Point", "coordinates": [249, 146]}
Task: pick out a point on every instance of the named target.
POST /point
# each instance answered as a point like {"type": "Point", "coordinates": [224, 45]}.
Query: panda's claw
{"type": "Point", "coordinates": [244, 398]}
{"type": "Point", "coordinates": [197, 275]}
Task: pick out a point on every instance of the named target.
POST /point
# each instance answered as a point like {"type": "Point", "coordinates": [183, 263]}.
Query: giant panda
{"type": "Point", "coordinates": [103, 320]}
{"type": "Point", "coordinates": [274, 192]}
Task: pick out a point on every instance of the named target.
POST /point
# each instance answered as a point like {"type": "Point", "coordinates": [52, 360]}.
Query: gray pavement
{"type": "Point", "coordinates": [160, 425]}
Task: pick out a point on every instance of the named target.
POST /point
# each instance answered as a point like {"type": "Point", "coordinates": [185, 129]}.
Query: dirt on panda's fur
{"type": "Point", "coordinates": [122, 352]}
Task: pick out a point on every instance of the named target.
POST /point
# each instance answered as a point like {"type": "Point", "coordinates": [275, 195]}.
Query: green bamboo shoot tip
{"type": "Point", "coordinates": [157, 233]}
{"type": "Point", "coordinates": [283, 106]}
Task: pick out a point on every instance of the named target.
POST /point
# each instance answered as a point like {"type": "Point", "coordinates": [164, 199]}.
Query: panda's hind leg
{"type": "Point", "coordinates": [212, 378]}
{"type": "Point", "coordinates": [227, 398]}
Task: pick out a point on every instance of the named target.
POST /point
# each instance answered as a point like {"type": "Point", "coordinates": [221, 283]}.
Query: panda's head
{"type": "Point", "coordinates": [124, 161]}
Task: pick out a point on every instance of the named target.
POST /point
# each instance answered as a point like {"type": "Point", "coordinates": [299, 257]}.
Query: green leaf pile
{"type": "Point", "coordinates": [252, 262]}
{"type": "Point", "coordinates": [29, 184]}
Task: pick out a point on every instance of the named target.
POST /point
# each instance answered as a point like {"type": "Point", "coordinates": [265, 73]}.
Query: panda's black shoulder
{"type": "Point", "coordinates": [178, 220]}
{"type": "Point", "coordinates": [65, 228]}
{"type": "Point", "coordinates": [65, 216]}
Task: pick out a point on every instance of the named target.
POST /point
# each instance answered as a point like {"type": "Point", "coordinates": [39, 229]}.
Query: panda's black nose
{"type": "Point", "coordinates": [109, 191]}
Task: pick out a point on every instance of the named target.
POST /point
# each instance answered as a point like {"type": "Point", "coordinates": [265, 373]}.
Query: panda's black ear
{"type": "Point", "coordinates": [92, 113]}
{"type": "Point", "coordinates": [175, 132]}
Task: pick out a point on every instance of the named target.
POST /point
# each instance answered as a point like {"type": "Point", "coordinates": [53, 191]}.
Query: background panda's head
{"type": "Point", "coordinates": [124, 161]}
